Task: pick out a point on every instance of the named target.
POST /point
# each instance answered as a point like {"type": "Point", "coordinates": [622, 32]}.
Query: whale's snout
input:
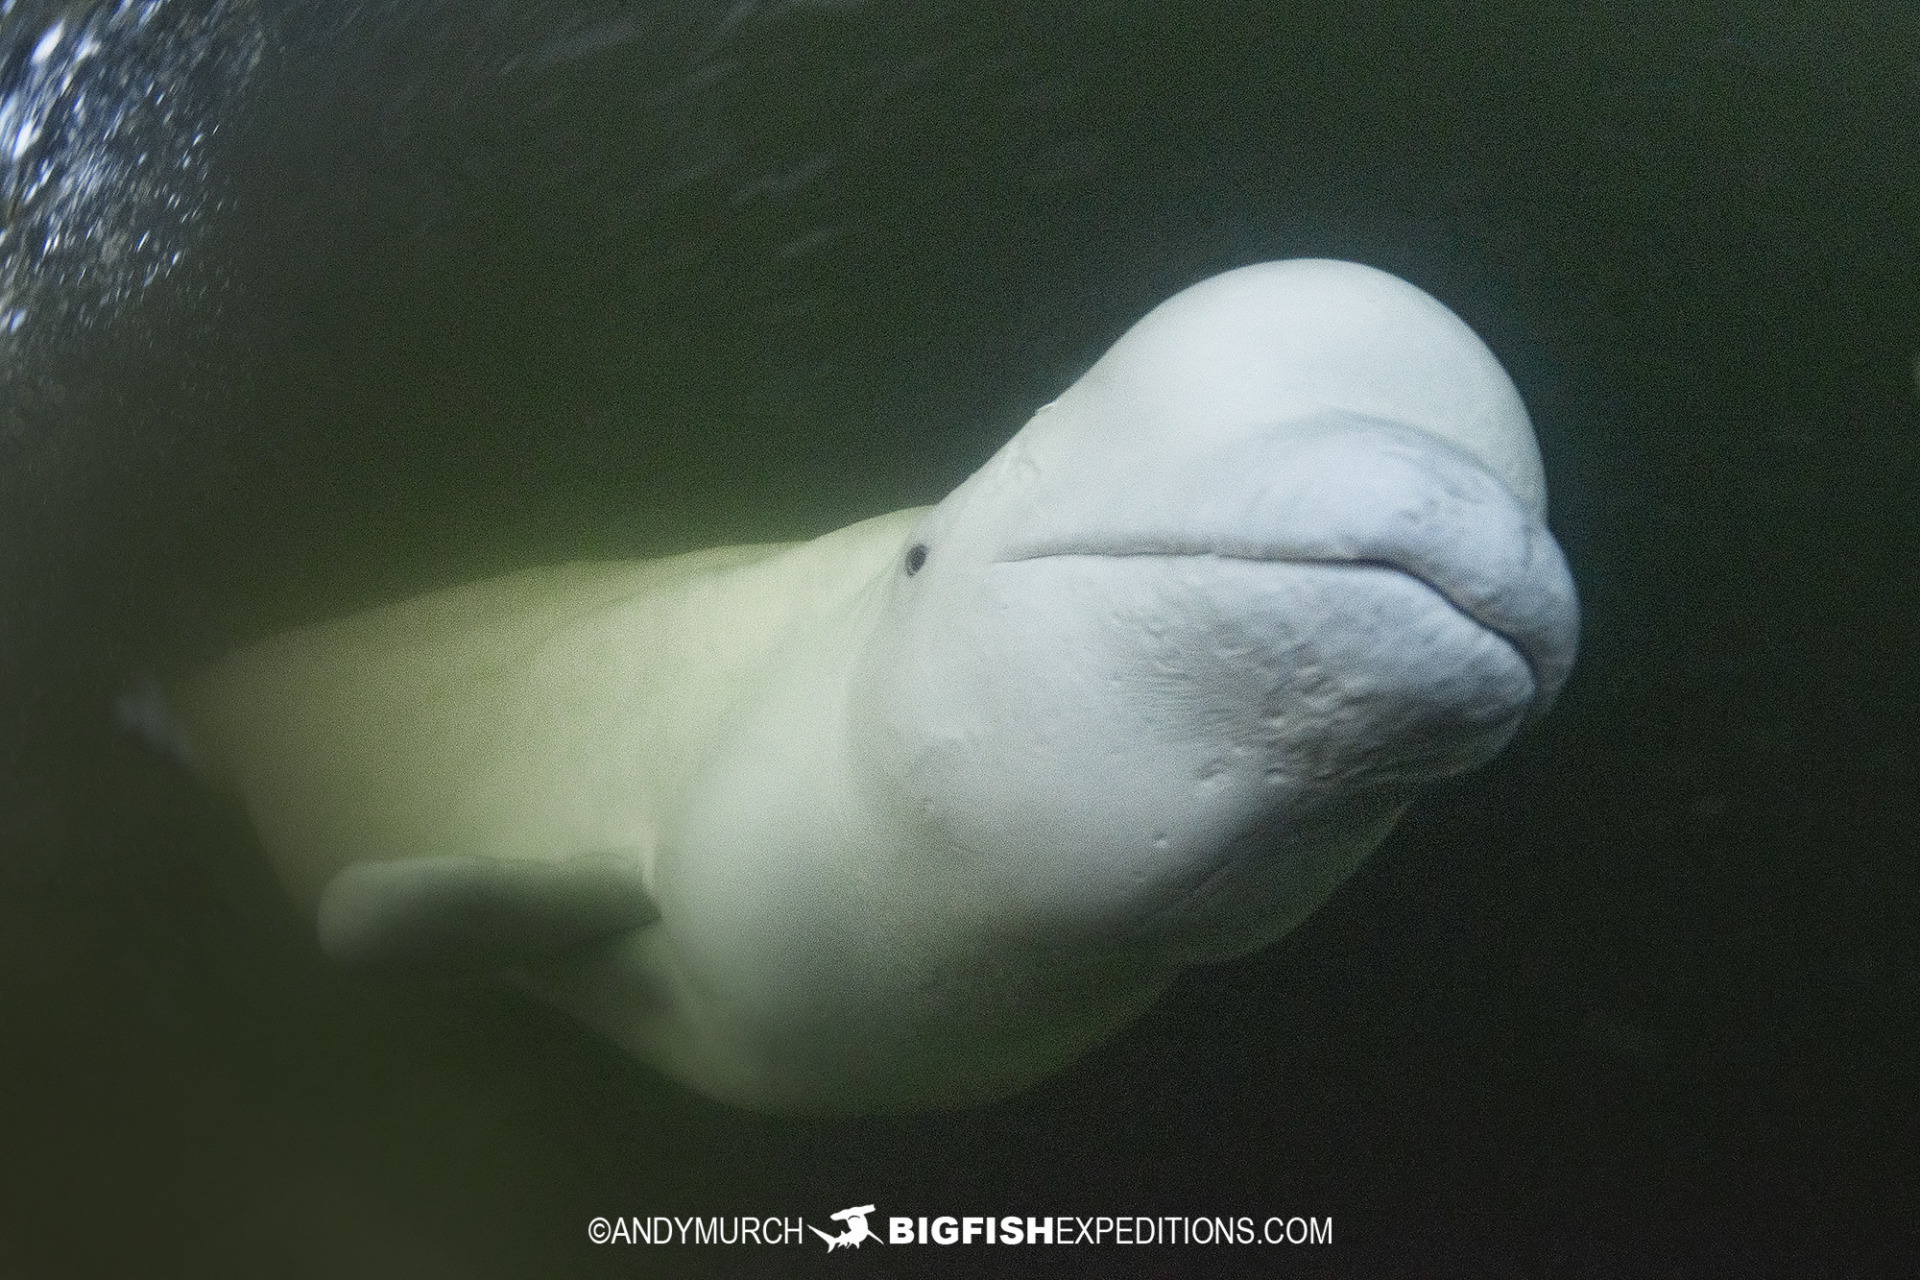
{"type": "Point", "coordinates": [1437, 534]}
{"type": "Point", "coordinates": [1172, 662]}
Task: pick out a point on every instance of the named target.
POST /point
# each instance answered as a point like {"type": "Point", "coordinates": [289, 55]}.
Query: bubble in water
{"type": "Point", "coordinates": [107, 112]}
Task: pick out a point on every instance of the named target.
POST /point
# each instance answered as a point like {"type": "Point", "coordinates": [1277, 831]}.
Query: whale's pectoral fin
{"type": "Point", "coordinates": [478, 912]}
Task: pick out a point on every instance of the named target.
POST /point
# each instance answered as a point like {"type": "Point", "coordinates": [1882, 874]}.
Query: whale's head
{"type": "Point", "coordinates": [1166, 668]}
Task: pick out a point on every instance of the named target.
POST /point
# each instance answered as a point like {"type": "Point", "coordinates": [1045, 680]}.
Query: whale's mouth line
{"type": "Point", "coordinates": [1256, 556]}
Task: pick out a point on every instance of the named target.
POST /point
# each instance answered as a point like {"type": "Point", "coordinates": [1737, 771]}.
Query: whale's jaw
{"type": "Point", "coordinates": [1348, 492]}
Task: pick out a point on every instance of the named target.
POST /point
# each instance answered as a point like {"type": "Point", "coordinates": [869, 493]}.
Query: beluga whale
{"type": "Point", "coordinates": [913, 814]}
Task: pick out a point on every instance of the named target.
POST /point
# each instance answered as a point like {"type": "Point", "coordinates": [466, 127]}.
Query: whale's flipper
{"type": "Point", "coordinates": [479, 912]}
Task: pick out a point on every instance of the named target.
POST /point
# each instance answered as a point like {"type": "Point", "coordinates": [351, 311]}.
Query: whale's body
{"type": "Point", "coordinates": [912, 814]}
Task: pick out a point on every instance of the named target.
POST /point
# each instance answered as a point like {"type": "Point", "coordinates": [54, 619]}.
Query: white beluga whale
{"type": "Point", "coordinates": [913, 814]}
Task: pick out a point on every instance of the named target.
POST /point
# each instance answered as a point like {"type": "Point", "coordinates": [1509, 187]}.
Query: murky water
{"type": "Point", "coordinates": [304, 306]}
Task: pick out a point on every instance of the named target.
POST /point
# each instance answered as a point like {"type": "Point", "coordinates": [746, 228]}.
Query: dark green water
{"type": "Point", "coordinates": [465, 286]}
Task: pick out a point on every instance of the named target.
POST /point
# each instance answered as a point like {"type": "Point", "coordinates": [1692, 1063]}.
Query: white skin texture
{"type": "Point", "coordinates": [913, 814]}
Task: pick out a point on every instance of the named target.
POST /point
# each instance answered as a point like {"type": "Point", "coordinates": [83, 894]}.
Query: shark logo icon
{"type": "Point", "coordinates": [856, 1231]}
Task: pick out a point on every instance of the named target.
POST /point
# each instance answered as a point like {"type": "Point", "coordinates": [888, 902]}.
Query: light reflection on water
{"type": "Point", "coordinates": [106, 116]}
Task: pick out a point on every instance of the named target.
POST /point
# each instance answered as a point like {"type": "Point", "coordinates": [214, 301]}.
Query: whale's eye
{"type": "Point", "coordinates": [916, 558]}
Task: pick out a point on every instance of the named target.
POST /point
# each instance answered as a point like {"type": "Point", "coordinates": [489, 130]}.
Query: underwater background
{"type": "Point", "coordinates": [305, 306]}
